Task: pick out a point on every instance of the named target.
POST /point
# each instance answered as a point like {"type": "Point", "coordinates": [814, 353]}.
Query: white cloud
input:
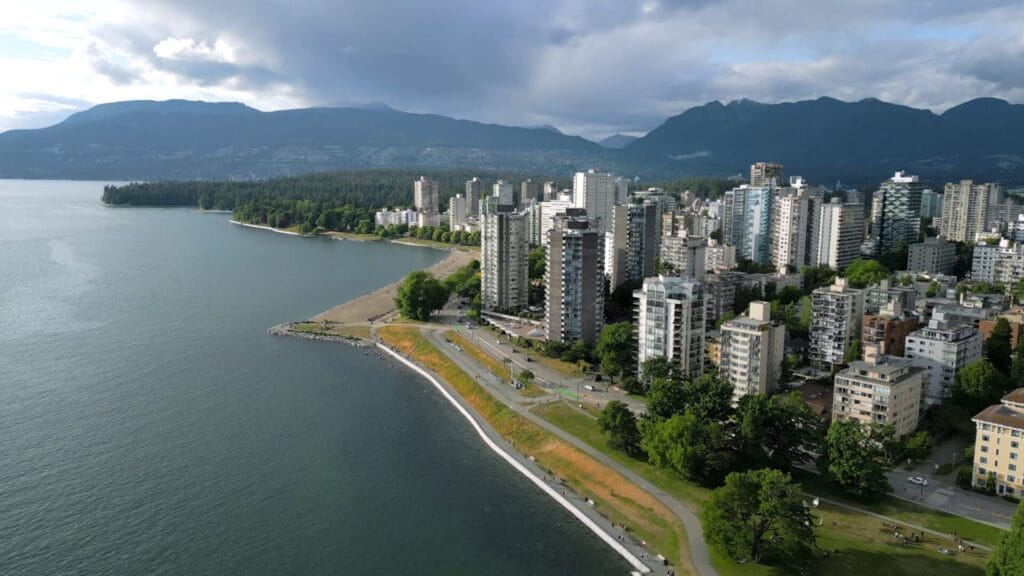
{"type": "Point", "coordinates": [587, 66]}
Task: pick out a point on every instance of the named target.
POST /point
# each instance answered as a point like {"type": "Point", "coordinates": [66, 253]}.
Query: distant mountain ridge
{"type": "Point", "coordinates": [617, 141]}
{"type": "Point", "coordinates": [828, 139]}
{"type": "Point", "coordinates": [823, 139]}
{"type": "Point", "coordinates": [186, 140]}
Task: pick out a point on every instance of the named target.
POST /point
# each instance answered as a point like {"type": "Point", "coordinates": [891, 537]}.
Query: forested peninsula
{"type": "Point", "coordinates": [335, 201]}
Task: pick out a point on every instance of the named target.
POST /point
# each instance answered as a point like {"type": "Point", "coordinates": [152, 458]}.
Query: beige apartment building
{"type": "Point", "coordinates": [884, 390]}
{"type": "Point", "coordinates": [997, 445]}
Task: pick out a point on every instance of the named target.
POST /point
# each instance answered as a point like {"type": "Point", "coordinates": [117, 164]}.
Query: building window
{"type": "Point", "coordinates": [984, 448]}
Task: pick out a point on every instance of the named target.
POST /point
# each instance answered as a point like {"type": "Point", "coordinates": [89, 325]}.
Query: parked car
{"type": "Point", "coordinates": [588, 387]}
{"type": "Point", "coordinates": [918, 480]}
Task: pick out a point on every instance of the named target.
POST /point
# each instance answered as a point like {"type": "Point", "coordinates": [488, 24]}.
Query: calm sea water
{"type": "Point", "coordinates": [148, 426]}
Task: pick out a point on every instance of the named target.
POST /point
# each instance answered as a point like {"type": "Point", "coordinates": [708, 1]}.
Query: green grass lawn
{"type": "Point", "coordinates": [909, 512]}
{"type": "Point", "coordinates": [864, 546]}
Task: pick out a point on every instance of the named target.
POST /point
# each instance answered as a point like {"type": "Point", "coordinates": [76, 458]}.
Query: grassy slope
{"type": "Point", "coordinates": [864, 547]}
{"type": "Point", "coordinates": [641, 512]}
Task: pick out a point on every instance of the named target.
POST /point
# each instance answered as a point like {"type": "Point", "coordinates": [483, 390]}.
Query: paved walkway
{"type": "Point", "coordinates": [700, 557]}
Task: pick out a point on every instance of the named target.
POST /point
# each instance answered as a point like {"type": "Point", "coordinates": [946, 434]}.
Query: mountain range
{"type": "Point", "coordinates": [824, 140]}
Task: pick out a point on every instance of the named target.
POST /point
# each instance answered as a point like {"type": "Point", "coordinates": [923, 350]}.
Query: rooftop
{"type": "Point", "coordinates": [1002, 415]}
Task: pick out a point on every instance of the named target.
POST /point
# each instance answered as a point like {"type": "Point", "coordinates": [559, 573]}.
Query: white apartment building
{"type": "Point", "coordinates": [669, 319]}
{"type": "Point", "coordinates": [394, 217]}
{"type": "Point", "coordinates": [719, 256]}
{"type": "Point", "coordinates": [837, 313]}
{"type": "Point", "coordinates": [427, 195]}
{"type": "Point", "coordinates": [880, 389]}
{"type": "Point", "coordinates": [1002, 262]}
{"type": "Point", "coordinates": [504, 260]}
{"type": "Point", "coordinates": [595, 192]}
{"type": "Point", "coordinates": [790, 229]}
{"type": "Point", "coordinates": [549, 210]}
{"type": "Point", "coordinates": [942, 349]}
{"type": "Point", "coordinates": [965, 209]}
{"type": "Point", "coordinates": [687, 255]}
{"type": "Point", "coordinates": [457, 211]}
{"type": "Point", "coordinates": [503, 192]}
{"type": "Point", "coordinates": [752, 351]}
{"type": "Point", "coordinates": [837, 234]}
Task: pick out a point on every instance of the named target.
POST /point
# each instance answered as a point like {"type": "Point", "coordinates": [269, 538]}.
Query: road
{"type": "Point", "coordinates": [499, 347]}
{"type": "Point", "coordinates": [943, 494]}
{"type": "Point", "coordinates": [699, 555]}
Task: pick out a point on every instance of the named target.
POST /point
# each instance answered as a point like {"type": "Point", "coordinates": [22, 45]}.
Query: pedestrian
{"type": "Point", "coordinates": [972, 548]}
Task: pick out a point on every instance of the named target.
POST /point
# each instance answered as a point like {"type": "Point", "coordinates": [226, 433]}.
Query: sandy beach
{"type": "Point", "coordinates": [381, 302]}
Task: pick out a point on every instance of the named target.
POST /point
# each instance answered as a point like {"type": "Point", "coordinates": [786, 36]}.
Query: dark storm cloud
{"type": "Point", "coordinates": [592, 67]}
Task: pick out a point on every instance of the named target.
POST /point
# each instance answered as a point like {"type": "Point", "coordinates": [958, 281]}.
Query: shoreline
{"type": "Point", "coordinates": [472, 418]}
{"type": "Point", "coordinates": [379, 304]}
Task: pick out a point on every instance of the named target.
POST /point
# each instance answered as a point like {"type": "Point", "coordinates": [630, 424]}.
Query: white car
{"type": "Point", "coordinates": [918, 480]}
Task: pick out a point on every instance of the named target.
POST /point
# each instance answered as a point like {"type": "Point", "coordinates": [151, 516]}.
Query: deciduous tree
{"type": "Point", "coordinates": [759, 516]}
{"type": "Point", "coordinates": [619, 423]}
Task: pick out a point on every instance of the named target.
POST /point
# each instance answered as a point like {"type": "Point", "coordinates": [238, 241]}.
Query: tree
{"type": "Point", "coordinates": [853, 460]}
{"type": "Point", "coordinates": [615, 349]}
{"type": "Point", "coordinates": [895, 259]}
{"type": "Point", "coordinates": [815, 277]}
{"type": "Point", "coordinates": [655, 367]}
{"type": "Point", "coordinates": [693, 448]}
{"type": "Point", "coordinates": [978, 385]}
{"type": "Point", "coordinates": [919, 445]}
{"type": "Point", "coordinates": [1008, 557]}
{"type": "Point", "coordinates": [1017, 366]}
{"type": "Point", "coordinates": [997, 347]}
{"type": "Point", "coordinates": [779, 431]}
{"type": "Point", "coordinates": [419, 295]}
{"type": "Point", "coordinates": [538, 263]}
{"type": "Point", "coordinates": [759, 516]}
{"type": "Point", "coordinates": [526, 376]}
{"type": "Point", "coordinates": [728, 315]}
{"type": "Point", "coordinates": [853, 352]}
{"type": "Point", "coordinates": [863, 272]}
{"type": "Point", "coordinates": [709, 397]}
{"type": "Point", "coordinates": [619, 423]}
{"type": "Point", "coordinates": [665, 398]}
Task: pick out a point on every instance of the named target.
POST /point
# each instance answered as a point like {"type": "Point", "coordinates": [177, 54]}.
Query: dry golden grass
{"type": "Point", "coordinates": [617, 498]}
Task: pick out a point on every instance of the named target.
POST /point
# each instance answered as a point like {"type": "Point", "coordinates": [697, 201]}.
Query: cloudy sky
{"type": "Point", "coordinates": [588, 67]}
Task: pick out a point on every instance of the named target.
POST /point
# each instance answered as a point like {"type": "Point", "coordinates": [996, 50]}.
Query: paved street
{"type": "Point", "coordinates": [942, 493]}
{"type": "Point", "coordinates": [498, 347]}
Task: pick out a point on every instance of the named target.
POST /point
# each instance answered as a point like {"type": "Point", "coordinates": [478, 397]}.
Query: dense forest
{"type": "Point", "coordinates": [333, 201]}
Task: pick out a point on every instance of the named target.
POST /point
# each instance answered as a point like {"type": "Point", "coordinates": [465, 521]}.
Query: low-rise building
{"type": "Point", "coordinates": [997, 445]}
{"type": "Point", "coordinates": [934, 255]}
{"type": "Point", "coordinates": [888, 329]}
{"type": "Point", "coordinates": [942, 349]}
{"type": "Point", "coordinates": [880, 389]}
{"type": "Point", "coordinates": [1014, 317]}
{"type": "Point", "coordinates": [1002, 262]}
{"type": "Point", "coordinates": [877, 296]}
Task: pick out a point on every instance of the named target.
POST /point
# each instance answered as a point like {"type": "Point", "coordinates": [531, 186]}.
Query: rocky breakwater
{"type": "Point", "coordinates": [288, 329]}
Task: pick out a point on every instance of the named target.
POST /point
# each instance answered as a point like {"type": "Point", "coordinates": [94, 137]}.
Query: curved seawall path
{"type": "Point", "coordinates": [492, 439]}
